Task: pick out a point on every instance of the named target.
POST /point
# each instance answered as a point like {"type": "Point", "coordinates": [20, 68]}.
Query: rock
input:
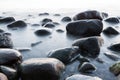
{"type": "Point", "coordinates": [5, 41]}
{"type": "Point", "coordinates": [91, 14]}
{"type": "Point", "coordinates": [83, 59]}
{"type": "Point", "coordinates": [65, 55]}
{"type": "Point", "coordinates": [43, 32]}
{"type": "Point", "coordinates": [112, 20]}
{"type": "Point", "coordinates": [36, 43]}
{"type": "Point", "coordinates": [112, 56]}
{"type": "Point", "coordinates": [66, 19]}
{"type": "Point", "coordinates": [89, 47]}
{"type": "Point", "coordinates": [18, 24]}
{"type": "Point", "coordinates": [82, 77]}
{"type": "Point", "coordinates": [115, 47]}
{"type": "Point", "coordinates": [56, 23]}
{"type": "Point", "coordinates": [44, 14]}
{"type": "Point", "coordinates": [1, 31]}
{"type": "Point", "coordinates": [99, 60]}
{"type": "Point", "coordinates": [60, 30]}
{"type": "Point", "coordinates": [85, 28]}
{"type": "Point", "coordinates": [23, 49]}
{"type": "Point", "coordinates": [7, 20]}
{"type": "Point", "coordinates": [57, 15]}
{"type": "Point", "coordinates": [7, 33]}
{"type": "Point", "coordinates": [41, 69]}
{"type": "Point", "coordinates": [35, 25]}
{"type": "Point", "coordinates": [110, 31]}
{"type": "Point", "coordinates": [9, 72]}
{"type": "Point", "coordinates": [115, 68]}
{"type": "Point", "coordinates": [10, 57]}
{"type": "Point", "coordinates": [46, 20]}
{"type": "Point", "coordinates": [49, 25]}
{"type": "Point", "coordinates": [105, 15]}
{"type": "Point", "coordinates": [3, 77]}
{"type": "Point", "coordinates": [86, 68]}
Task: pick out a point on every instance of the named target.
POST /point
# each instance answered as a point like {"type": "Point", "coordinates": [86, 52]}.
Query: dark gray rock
{"type": "Point", "coordinates": [18, 24]}
{"type": "Point", "coordinates": [60, 30]}
{"type": "Point", "coordinates": [89, 47]}
{"type": "Point", "coordinates": [115, 47]}
{"type": "Point", "coordinates": [1, 31]}
{"type": "Point", "coordinates": [65, 55]}
{"type": "Point", "coordinates": [7, 20]}
{"type": "Point", "coordinates": [56, 23]}
{"type": "Point", "coordinates": [86, 68]}
{"type": "Point", "coordinates": [85, 28]}
{"type": "Point", "coordinates": [10, 57]}
{"type": "Point", "coordinates": [110, 31]}
{"type": "Point", "coordinates": [66, 19]}
{"type": "Point", "coordinates": [3, 76]}
{"type": "Point", "coordinates": [83, 59]}
{"type": "Point", "coordinates": [112, 20]}
{"type": "Point", "coordinates": [5, 41]}
{"type": "Point", "coordinates": [43, 32]}
{"type": "Point", "coordinates": [43, 14]}
{"type": "Point", "coordinates": [35, 25]}
{"type": "Point", "coordinates": [41, 69]}
{"type": "Point", "coordinates": [49, 25]}
{"type": "Point", "coordinates": [9, 72]}
{"type": "Point", "coordinates": [46, 20]}
{"type": "Point", "coordinates": [91, 14]}
{"type": "Point", "coordinates": [57, 15]}
{"type": "Point", "coordinates": [104, 15]}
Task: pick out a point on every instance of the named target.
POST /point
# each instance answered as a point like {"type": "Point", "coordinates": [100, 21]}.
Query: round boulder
{"type": "Point", "coordinates": [115, 47]}
{"type": "Point", "coordinates": [46, 20]}
{"type": "Point", "coordinates": [85, 28]}
{"type": "Point", "coordinates": [110, 31]}
{"type": "Point", "coordinates": [41, 69]}
{"type": "Point", "coordinates": [66, 19]}
{"type": "Point", "coordinates": [7, 20]}
{"type": "Point", "coordinates": [112, 20]}
{"type": "Point", "coordinates": [49, 25]}
{"type": "Point", "coordinates": [92, 14]}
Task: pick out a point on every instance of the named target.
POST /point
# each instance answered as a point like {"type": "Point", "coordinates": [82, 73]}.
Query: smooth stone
{"type": "Point", "coordinates": [64, 54]}
{"type": "Point", "coordinates": [56, 23]}
{"type": "Point", "coordinates": [1, 31]}
{"type": "Point", "coordinates": [49, 25]}
{"type": "Point", "coordinates": [9, 72]}
{"type": "Point", "coordinates": [45, 20]}
{"type": "Point", "coordinates": [41, 69]}
{"type": "Point", "coordinates": [5, 41]}
{"type": "Point", "coordinates": [83, 59]}
{"type": "Point", "coordinates": [35, 25]}
{"type": "Point", "coordinates": [110, 31]}
{"type": "Point", "coordinates": [10, 57]}
{"type": "Point", "coordinates": [43, 14]}
{"type": "Point", "coordinates": [66, 19]}
{"type": "Point", "coordinates": [7, 20]}
{"type": "Point", "coordinates": [86, 67]}
{"type": "Point", "coordinates": [85, 28]}
{"type": "Point", "coordinates": [3, 76]}
{"type": "Point", "coordinates": [99, 60]}
{"type": "Point", "coordinates": [90, 14]}
{"type": "Point", "coordinates": [43, 32]}
{"type": "Point", "coordinates": [90, 46]}
{"type": "Point", "coordinates": [112, 20]}
{"type": "Point", "coordinates": [105, 15]}
{"type": "Point", "coordinates": [115, 47]}
{"type": "Point", "coordinates": [60, 30]}
{"type": "Point", "coordinates": [36, 43]}
{"type": "Point", "coordinates": [82, 77]}
{"type": "Point", "coordinates": [57, 15]}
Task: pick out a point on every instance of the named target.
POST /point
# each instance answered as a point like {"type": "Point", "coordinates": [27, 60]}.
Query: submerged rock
{"type": "Point", "coordinates": [85, 27]}
{"type": "Point", "coordinates": [43, 32]}
{"type": "Point", "coordinates": [3, 76]}
{"type": "Point", "coordinates": [5, 41]}
{"type": "Point", "coordinates": [91, 14]}
{"type": "Point", "coordinates": [35, 25]}
{"type": "Point", "coordinates": [7, 20]}
{"type": "Point", "coordinates": [89, 47]}
{"type": "Point", "coordinates": [65, 55]}
{"type": "Point", "coordinates": [19, 24]}
{"type": "Point", "coordinates": [41, 69]}
{"type": "Point", "coordinates": [49, 25]}
{"type": "Point", "coordinates": [9, 57]}
{"type": "Point", "coordinates": [9, 72]}
{"type": "Point", "coordinates": [82, 77]}
{"type": "Point", "coordinates": [44, 14]}
{"type": "Point", "coordinates": [112, 20]}
{"type": "Point", "coordinates": [60, 30]}
{"type": "Point", "coordinates": [46, 20]}
{"type": "Point", "coordinates": [57, 15]}
{"type": "Point", "coordinates": [115, 47]}
{"type": "Point", "coordinates": [110, 31]}
{"type": "Point", "coordinates": [66, 19]}
{"type": "Point", "coordinates": [1, 31]}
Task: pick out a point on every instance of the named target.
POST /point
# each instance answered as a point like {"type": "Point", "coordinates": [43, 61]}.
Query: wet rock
{"type": "Point", "coordinates": [10, 57]}
{"type": "Point", "coordinates": [43, 32]}
{"type": "Point", "coordinates": [86, 68]}
{"type": "Point", "coordinates": [5, 41]}
{"type": "Point", "coordinates": [112, 20]}
{"type": "Point", "coordinates": [115, 68]}
{"type": "Point", "coordinates": [7, 20]}
{"type": "Point", "coordinates": [57, 15]}
{"type": "Point", "coordinates": [9, 72]}
{"type": "Point", "coordinates": [66, 19]}
{"type": "Point", "coordinates": [1, 31]}
{"type": "Point", "coordinates": [23, 49]}
{"type": "Point", "coordinates": [65, 55]}
{"type": "Point", "coordinates": [99, 60]}
{"type": "Point", "coordinates": [112, 56]}
{"type": "Point", "coordinates": [44, 14]}
{"type": "Point", "coordinates": [115, 47]}
{"type": "Point", "coordinates": [3, 76]}
{"type": "Point", "coordinates": [19, 24]}
{"type": "Point", "coordinates": [110, 31]}
{"type": "Point", "coordinates": [104, 15]}
{"type": "Point", "coordinates": [35, 25]}
{"type": "Point", "coordinates": [89, 47]}
{"type": "Point", "coordinates": [83, 59]}
{"type": "Point", "coordinates": [46, 20]}
{"type": "Point", "coordinates": [82, 77]}
{"type": "Point", "coordinates": [49, 25]}
{"type": "Point", "coordinates": [60, 30]}
{"type": "Point", "coordinates": [91, 14]}
{"type": "Point", "coordinates": [36, 43]}
{"type": "Point", "coordinates": [85, 28]}
{"type": "Point", "coordinates": [41, 69]}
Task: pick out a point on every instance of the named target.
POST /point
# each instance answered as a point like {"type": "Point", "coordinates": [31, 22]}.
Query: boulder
{"type": "Point", "coordinates": [115, 47]}
{"type": "Point", "coordinates": [7, 20]}
{"type": "Point", "coordinates": [89, 47]}
{"type": "Point", "coordinates": [82, 77]}
{"type": "Point", "coordinates": [43, 14]}
{"type": "Point", "coordinates": [41, 69]}
{"type": "Point", "coordinates": [110, 31]}
{"type": "Point", "coordinates": [49, 25]}
{"type": "Point", "coordinates": [91, 14]}
{"type": "Point", "coordinates": [5, 41]}
{"type": "Point", "coordinates": [46, 20]}
{"type": "Point", "coordinates": [66, 19]}
{"type": "Point", "coordinates": [10, 57]}
{"type": "Point", "coordinates": [112, 20]}
{"type": "Point", "coordinates": [3, 76]}
{"type": "Point", "coordinates": [105, 15]}
{"type": "Point", "coordinates": [65, 54]}
{"type": "Point", "coordinates": [85, 28]}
